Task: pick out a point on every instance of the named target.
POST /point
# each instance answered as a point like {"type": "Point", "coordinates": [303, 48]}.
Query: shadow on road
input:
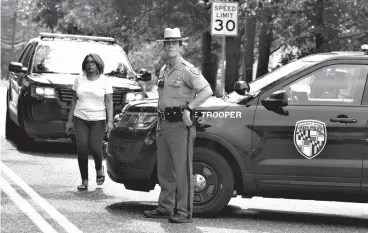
{"type": "Point", "coordinates": [66, 192]}
{"type": "Point", "coordinates": [57, 149]}
{"type": "Point", "coordinates": [241, 219]}
{"type": "Point", "coordinates": [300, 217]}
{"type": "Point", "coordinates": [131, 207]}
{"type": "Point", "coordinates": [137, 208]}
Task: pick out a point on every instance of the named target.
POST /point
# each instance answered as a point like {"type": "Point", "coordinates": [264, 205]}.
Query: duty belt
{"type": "Point", "coordinates": [171, 114]}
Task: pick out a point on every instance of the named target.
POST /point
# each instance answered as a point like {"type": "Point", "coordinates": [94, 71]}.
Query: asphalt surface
{"type": "Point", "coordinates": [50, 171]}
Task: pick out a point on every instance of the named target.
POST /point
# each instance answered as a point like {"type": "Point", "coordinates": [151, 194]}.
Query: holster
{"type": "Point", "coordinates": [173, 114]}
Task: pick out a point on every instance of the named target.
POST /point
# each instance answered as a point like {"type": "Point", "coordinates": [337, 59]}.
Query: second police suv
{"type": "Point", "coordinates": [298, 132]}
{"type": "Point", "coordinates": [39, 93]}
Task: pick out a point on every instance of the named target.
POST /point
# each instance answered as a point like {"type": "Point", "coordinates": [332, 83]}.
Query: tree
{"type": "Point", "coordinates": [17, 28]}
{"type": "Point", "coordinates": [295, 28]}
{"type": "Point", "coordinates": [249, 42]}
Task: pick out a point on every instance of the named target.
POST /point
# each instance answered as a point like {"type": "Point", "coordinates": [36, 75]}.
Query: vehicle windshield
{"type": "Point", "coordinates": [67, 57]}
{"type": "Point", "coordinates": [269, 78]}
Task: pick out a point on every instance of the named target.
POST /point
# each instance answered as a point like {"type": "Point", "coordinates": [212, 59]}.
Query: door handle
{"type": "Point", "coordinates": [343, 120]}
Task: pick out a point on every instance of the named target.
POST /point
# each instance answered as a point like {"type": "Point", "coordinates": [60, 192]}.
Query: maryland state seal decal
{"type": "Point", "coordinates": [310, 137]}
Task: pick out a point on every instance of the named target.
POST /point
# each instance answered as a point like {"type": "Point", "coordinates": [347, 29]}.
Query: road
{"type": "Point", "coordinates": [38, 194]}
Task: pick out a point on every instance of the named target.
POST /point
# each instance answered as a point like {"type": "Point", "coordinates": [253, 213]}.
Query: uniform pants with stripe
{"type": "Point", "coordinates": [175, 167]}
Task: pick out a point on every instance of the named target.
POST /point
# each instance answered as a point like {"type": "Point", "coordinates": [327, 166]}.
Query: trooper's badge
{"type": "Point", "coordinates": [310, 137]}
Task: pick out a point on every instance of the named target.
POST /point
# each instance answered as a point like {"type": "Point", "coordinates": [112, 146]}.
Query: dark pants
{"type": "Point", "coordinates": [175, 168]}
{"type": "Point", "coordinates": [89, 137]}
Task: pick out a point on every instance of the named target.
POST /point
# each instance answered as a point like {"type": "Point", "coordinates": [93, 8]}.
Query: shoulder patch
{"type": "Point", "coordinates": [195, 71]}
{"type": "Point", "coordinates": [191, 67]}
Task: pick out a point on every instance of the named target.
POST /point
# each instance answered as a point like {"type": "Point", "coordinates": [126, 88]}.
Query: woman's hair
{"type": "Point", "coordinates": [99, 62]}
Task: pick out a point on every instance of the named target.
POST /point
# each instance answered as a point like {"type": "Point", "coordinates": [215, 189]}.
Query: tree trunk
{"type": "Point", "coordinates": [319, 25]}
{"type": "Point", "coordinates": [214, 69]}
{"type": "Point", "coordinates": [232, 62]}
{"type": "Point", "coordinates": [207, 60]}
{"type": "Point", "coordinates": [250, 32]}
{"type": "Point", "coordinates": [264, 48]}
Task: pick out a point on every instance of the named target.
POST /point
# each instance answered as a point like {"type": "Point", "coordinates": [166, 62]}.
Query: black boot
{"type": "Point", "coordinates": [180, 218]}
{"type": "Point", "coordinates": [156, 214]}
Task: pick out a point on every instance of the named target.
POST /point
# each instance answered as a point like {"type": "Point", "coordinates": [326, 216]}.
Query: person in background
{"type": "Point", "coordinates": [91, 105]}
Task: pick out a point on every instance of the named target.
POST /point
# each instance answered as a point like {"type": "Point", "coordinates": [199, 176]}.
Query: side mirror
{"type": "Point", "coordinates": [241, 87]}
{"type": "Point", "coordinates": [144, 75]}
{"type": "Point", "coordinates": [276, 100]}
{"type": "Point", "coordinates": [17, 67]}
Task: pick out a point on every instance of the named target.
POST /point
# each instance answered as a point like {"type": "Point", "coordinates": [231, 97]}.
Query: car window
{"type": "Point", "coordinates": [332, 85]}
{"type": "Point", "coordinates": [67, 57]}
{"type": "Point", "coordinates": [279, 73]}
{"type": "Point", "coordinates": [365, 95]}
{"type": "Point", "coordinates": [26, 56]}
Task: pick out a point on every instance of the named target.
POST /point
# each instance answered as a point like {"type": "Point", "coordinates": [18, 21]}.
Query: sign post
{"type": "Point", "coordinates": [224, 22]}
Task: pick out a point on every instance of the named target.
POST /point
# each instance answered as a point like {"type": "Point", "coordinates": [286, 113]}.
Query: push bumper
{"type": "Point", "coordinates": [131, 162]}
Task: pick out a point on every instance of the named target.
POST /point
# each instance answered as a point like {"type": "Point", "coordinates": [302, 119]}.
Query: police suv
{"type": "Point", "coordinates": [39, 93]}
{"type": "Point", "coordinates": [299, 132]}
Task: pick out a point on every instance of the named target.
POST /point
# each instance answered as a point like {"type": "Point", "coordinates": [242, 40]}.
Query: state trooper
{"type": "Point", "coordinates": [181, 89]}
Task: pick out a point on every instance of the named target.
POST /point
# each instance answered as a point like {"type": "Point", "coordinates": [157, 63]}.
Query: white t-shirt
{"type": "Point", "coordinates": [90, 104]}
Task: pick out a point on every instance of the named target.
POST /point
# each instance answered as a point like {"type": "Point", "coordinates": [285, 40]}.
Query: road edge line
{"type": "Point", "coordinates": [26, 208]}
{"type": "Point", "coordinates": [48, 208]}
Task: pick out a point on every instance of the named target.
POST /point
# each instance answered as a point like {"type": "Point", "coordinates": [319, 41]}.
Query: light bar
{"type": "Point", "coordinates": [96, 38]}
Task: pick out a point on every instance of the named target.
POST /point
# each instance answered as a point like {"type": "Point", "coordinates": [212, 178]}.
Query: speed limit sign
{"type": "Point", "coordinates": [224, 18]}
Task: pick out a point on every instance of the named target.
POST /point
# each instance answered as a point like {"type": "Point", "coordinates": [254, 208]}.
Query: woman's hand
{"type": "Point", "coordinates": [109, 127]}
{"type": "Point", "coordinates": [158, 129]}
{"type": "Point", "coordinates": [69, 127]}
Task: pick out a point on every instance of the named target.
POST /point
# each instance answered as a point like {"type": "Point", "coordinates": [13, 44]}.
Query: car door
{"type": "Point", "coordinates": [365, 156]}
{"type": "Point", "coordinates": [16, 79]}
{"type": "Point", "coordinates": [317, 142]}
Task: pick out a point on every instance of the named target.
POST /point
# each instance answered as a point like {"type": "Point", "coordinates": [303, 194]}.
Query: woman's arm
{"type": "Point", "coordinates": [110, 112]}
{"type": "Point", "coordinates": [74, 101]}
{"type": "Point", "coordinates": [109, 106]}
{"type": "Point", "coordinates": [69, 124]}
{"type": "Point", "coordinates": [72, 107]}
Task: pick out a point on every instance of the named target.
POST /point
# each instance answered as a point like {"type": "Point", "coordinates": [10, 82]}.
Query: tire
{"type": "Point", "coordinates": [216, 193]}
{"type": "Point", "coordinates": [24, 141]}
{"type": "Point", "coordinates": [10, 126]}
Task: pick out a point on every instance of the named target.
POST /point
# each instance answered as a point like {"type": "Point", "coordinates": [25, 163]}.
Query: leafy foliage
{"type": "Point", "coordinates": [299, 27]}
{"type": "Point", "coordinates": [17, 28]}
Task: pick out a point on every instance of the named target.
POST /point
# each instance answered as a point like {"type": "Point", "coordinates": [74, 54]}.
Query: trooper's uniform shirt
{"type": "Point", "coordinates": [175, 141]}
{"type": "Point", "coordinates": [181, 84]}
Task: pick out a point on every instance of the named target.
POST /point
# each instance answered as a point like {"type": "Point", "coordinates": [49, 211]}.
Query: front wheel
{"type": "Point", "coordinates": [25, 142]}
{"type": "Point", "coordinates": [10, 126]}
{"type": "Point", "coordinates": [213, 182]}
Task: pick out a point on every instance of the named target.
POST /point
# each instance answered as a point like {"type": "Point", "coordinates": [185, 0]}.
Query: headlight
{"type": "Point", "coordinates": [46, 92]}
{"type": "Point", "coordinates": [132, 96]}
{"type": "Point", "coordinates": [117, 118]}
{"type": "Point", "coordinates": [137, 120]}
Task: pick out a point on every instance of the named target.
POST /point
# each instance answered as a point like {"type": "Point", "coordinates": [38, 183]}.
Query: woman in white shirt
{"type": "Point", "coordinates": [92, 96]}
